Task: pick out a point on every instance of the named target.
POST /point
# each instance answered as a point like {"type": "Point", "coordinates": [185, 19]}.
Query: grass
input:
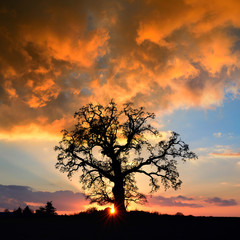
{"type": "Point", "coordinates": [133, 225]}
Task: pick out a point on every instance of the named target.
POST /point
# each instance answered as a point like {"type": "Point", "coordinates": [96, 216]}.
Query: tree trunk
{"type": "Point", "coordinates": [118, 192]}
{"type": "Point", "coordinates": [118, 188]}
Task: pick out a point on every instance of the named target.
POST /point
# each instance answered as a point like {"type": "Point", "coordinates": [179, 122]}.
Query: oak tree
{"type": "Point", "coordinates": [109, 146]}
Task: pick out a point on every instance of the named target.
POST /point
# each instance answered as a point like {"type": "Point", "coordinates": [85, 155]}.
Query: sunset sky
{"type": "Point", "coordinates": [177, 58]}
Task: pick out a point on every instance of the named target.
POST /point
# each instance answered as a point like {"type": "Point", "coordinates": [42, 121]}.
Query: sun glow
{"type": "Point", "coordinates": [112, 211]}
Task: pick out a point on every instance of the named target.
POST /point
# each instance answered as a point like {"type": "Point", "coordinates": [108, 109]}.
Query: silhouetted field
{"type": "Point", "coordinates": [134, 225]}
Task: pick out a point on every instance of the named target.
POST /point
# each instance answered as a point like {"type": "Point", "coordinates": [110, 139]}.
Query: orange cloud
{"type": "Point", "coordinates": [215, 52]}
{"type": "Point", "coordinates": [40, 130]}
{"type": "Point", "coordinates": [56, 56]}
{"type": "Point", "coordinates": [10, 90]}
{"type": "Point", "coordinates": [43, 93]}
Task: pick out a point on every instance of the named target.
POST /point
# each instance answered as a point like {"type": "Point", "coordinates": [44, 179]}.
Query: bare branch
{"type": "Point", "coordinates": [107, 172]}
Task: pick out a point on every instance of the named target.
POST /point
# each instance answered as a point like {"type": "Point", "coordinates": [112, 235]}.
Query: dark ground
{"type": "Point", "coordinates": [134, 225]}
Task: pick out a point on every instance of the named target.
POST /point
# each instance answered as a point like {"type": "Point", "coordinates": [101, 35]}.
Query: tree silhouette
{"type": "Point", "coordinates": [17, 212]}
{"type": "Point", "coordinates": [41, 211]}
{"type": "Point", "coordinates": [48, 210]}
{"type": "Point", "coordinates": [110, 146]}
{"type": "Point", "coordinates": [27, 212]}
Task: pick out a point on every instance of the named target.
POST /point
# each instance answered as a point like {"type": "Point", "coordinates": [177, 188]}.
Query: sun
{"type": "Point", "coordinates": [112, 211]}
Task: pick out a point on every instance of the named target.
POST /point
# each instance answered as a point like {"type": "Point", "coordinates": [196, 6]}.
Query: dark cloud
{"type": "Point", "coordinates": [46, 48]}
{"type": "Point", "coordinates": [222, 202]}
{"type": "Point", "coordinates": [184, 198]}
{"type": "Point", "coordinates": [179, 201]}
{"type": "Point", "coordinates": [183, 201]}
{"type": "Point", "coordinates": [58, 55]}
{"type": "Point", "coordinates": [13, 196]}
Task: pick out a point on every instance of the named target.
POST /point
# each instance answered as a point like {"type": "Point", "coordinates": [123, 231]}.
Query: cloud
{"type": "Point", "coordinates": [46, 51]}
{"type": "Point", "coordinates": [224, 151]}
{"type": "Point", "coordinates": [226, 154]}
{"type": "Point", "coordinates": [222, 202]}
{"type": "Point", "coordinates": [184, 198]}
{"type": "Point", "coordinates": [13, 196]}
{"type": "Point", "coordinates": [179, 201]}
{"type": "Point", "coordinates": [183, 201]}
{"type": "Point", "coordinates": [217, 134]}
{"type": "Point", "coordinates": [58, 55]}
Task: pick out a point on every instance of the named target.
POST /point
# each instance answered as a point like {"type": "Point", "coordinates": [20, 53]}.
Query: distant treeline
{"type": "Point", "coordinates": [47, 210]}
{"type": "Point", "coordinates": [50, 210]}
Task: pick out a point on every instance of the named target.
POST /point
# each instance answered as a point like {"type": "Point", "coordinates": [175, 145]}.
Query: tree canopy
{"type": "Point", "coordinates": [108, 146]}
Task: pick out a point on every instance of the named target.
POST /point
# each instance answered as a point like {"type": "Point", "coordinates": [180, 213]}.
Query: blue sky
{"type": "Point", "coordinates": [219, 125]}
